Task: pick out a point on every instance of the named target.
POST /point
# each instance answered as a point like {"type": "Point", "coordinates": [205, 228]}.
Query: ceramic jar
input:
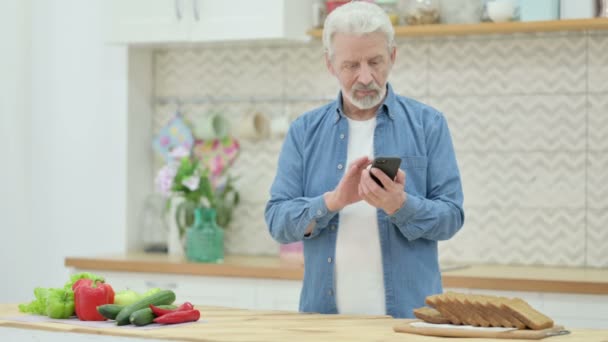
{"type": "Point", "coordinates": [420, 12]}
{"type": "Point", "coordinates": [460, 11]}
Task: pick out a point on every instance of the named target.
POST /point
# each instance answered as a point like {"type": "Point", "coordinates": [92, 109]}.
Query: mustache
{"type": "Point", "coordinates": [371, 86]}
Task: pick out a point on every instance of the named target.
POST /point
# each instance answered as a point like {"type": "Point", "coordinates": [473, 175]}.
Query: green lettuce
{"type": "Point", "coordinates": [38, 305]}
{"type": "Point", "coordinates": [84, 275]}
{"type": "Point", "coordinates": [56, 302]}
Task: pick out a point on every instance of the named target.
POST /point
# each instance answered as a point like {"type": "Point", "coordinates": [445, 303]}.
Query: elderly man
{"type": "Point", "coordinates": [368, 249]}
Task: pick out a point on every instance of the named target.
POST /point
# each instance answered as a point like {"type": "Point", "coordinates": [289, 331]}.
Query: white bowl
{"type": "Point", "coordinates": [501, 10]}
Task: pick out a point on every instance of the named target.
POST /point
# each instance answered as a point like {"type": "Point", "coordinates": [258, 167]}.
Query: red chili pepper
{"type": "Point", "coordinates": [179, 317]}
{"type": "Point", "coordinates": [160, 311]}
{"type": "Point", "coordinates": [185, 307]}
{"type": "Point", "coordinates": [88, 296]}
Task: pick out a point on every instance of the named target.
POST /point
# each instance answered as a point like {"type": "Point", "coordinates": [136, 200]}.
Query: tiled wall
{"type": "Point", "coordinates": [528, 115]}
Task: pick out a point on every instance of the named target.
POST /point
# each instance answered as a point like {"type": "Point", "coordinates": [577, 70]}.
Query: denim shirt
{"type": "Point", "coordinates": [312, 162]}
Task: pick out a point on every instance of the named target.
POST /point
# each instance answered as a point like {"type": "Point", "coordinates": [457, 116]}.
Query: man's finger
{"type": "Point", "coordinates": [360, 163]}
{"type": "Point", "coordinates": [366, 178]}
{"type": "Point", "coordinates": [400, 177]}
{"type": "Point", "coordinates": [368, 187]}
{"type": "Point", "coordinates": [382, 177]}
{"type": "Point", "coordinates": [356, 166]}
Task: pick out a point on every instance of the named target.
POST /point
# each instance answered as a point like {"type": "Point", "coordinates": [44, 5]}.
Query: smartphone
{"type": "Point", "coordinates": [388, 165]}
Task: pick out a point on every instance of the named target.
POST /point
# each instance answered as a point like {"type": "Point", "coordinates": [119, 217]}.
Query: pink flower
{"type": "Point", "coordinates": [164, 179]}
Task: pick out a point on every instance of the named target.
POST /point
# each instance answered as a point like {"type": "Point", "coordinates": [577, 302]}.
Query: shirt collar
{"type": "Point", "coordinates": [387, 105]}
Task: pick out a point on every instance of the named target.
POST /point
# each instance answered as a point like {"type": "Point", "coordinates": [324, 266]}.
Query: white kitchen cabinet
{"type": "Point", "coordinates": [146, 21]}
{"type": "Point", "coordinates": [246, 19]}
{"type": "Point", "coordinates": [171, 21]}
{"type": "Point", "coordinates": [244, 293]}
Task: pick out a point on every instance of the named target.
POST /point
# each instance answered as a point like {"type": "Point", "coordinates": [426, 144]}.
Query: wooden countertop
{"type": "Point", "coordinates": [223, 324]}
{"type": "Point", "coordinates": [493, 277]}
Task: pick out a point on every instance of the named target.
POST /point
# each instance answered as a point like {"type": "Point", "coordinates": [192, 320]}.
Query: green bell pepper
{"type": "Point", "coordinates": [60, 303]}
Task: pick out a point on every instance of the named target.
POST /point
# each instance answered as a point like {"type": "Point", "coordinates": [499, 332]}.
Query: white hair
{"type": "Point", "coordinates": [357, 17]}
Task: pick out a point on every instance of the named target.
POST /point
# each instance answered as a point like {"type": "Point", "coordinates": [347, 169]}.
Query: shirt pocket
{"type": "Point", "coordinates": [413, 162]}
{"type": "Point", "coordinates": [415, 168]}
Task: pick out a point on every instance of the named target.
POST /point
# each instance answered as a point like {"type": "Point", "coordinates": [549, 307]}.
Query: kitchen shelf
{"type": "Point", "coordinates": [493, 28]}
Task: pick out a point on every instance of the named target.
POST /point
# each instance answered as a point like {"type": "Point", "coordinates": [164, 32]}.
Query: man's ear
{"type": "Point", "coordinates": [393, 54]}
{"type": "Point", "coordinates": [329, 65]}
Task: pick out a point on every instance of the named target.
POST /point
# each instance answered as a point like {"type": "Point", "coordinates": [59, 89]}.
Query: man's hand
{"type": "Point", "coordinates": [347, 191]}
{"type": "Point", "coordinates": [389, 199]}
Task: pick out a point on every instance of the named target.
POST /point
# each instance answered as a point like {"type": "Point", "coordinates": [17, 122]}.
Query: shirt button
{"type": "Point", "coordinates": [340, 166]}
{"type": "Point", "coordinates": [341, 136]}
{"type": "Point", "coordinates": [332, 227]}
{"type": "Point", "coordinates": [329, 260]}
{"type": "Point", "coordinates": [330, 292]}
{"type": "Point", "coordinates": [319, 212]}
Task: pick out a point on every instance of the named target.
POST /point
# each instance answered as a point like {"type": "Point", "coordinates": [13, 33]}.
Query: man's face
{"type": "Point", "coordinates": [361, 63]}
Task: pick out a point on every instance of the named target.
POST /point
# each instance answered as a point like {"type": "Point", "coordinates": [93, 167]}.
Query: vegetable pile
{"type": "Point", "coordinates": [156, 308]}
{"type": "Point", "coordinates": [60, 302]}
{"type": "Point", "coordinates": [90, 298]}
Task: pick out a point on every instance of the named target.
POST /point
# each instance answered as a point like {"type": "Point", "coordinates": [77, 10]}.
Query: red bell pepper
{"type": "Point", "coordinates": [88, 296]}
{"type": "Point", "coordinates": [89, 282]}
{"type": "Point", "coordinates": [179, 317]}
{"type": "Point", "coordinates": [160, 311]}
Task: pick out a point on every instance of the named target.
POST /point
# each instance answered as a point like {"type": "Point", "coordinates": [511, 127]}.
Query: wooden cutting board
{"type": "Point", "coordinates": [514, 334]}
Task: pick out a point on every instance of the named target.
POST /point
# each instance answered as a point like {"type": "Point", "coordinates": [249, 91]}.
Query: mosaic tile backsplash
{"type": "Point", "coordinates": [528, 115]}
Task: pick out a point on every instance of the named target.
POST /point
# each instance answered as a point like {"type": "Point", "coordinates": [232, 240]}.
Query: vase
{"type": "Point", "coordinates": [179, 217]}
{"type": "Point", "coordinates": [205, 239]}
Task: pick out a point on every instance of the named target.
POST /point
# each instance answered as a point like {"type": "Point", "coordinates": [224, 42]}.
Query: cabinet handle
{"type": "Point", "coordinates": [197, 15]}
{"type": "Point", "coordinates": [178, 9]}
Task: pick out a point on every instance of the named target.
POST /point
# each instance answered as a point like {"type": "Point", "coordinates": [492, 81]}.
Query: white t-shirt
{"type": "Point", "coordinates": [358, 261]}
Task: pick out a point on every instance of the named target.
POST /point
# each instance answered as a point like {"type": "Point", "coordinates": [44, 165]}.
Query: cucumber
{"type": "Point", "coordinates": [109, 311]}
{"type": "Point", "coordinates": [146, 316]}
{"type": "Point", "coordinates": [164, 297]}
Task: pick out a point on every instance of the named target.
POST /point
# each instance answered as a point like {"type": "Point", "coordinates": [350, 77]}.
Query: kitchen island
{"type": "Point", "coordinates": [226, 324]}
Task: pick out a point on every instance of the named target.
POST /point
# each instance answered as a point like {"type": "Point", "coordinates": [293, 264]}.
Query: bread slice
{"type": "Point", "coordinates": [436, 302]}
{"type": "Point", "coordinates": [520, 309]}
{"type": "Point", "coordinates": [495, 304]}
{"type": "Point", "coordinates": [480, 303]}
{"type": "Point", "coordinates": [466, 314]}
{"type": "Point", "coordinates": [477, 317]}
{"type": "Point", "coordinates": [458, 308]}
{"type": "Point", "coordinates": [454, 307]}
{"type": "Point", "coordinates": [430, 315]}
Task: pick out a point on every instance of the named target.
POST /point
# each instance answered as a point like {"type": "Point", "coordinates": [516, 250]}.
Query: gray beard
{"type": "Point", "coordinates": [367, 102]}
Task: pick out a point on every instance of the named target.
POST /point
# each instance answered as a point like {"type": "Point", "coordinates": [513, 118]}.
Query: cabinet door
{"type": "Point", "coordinates": [245, 19]}
{"type": "Point", "coordinates": [147, 21]}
